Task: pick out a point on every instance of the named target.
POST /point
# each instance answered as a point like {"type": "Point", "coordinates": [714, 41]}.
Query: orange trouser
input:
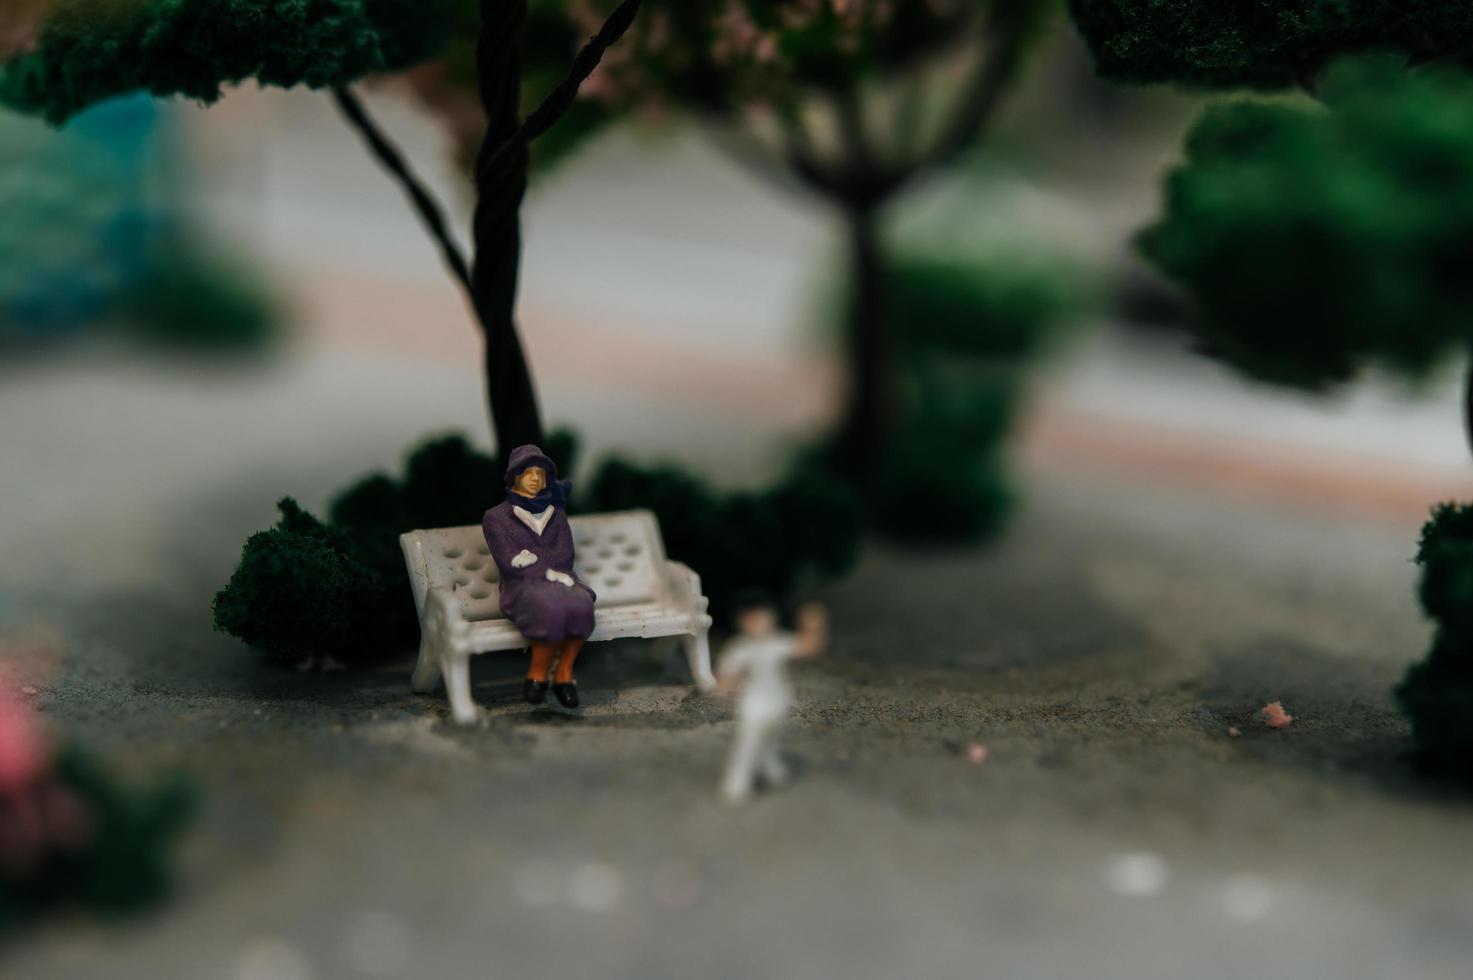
{"type": "Point", "coordinates": [566, 653]}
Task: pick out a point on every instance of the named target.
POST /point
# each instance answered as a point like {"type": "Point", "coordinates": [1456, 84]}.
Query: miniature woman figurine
{"type": "Point", "coordinates": [532, 544]}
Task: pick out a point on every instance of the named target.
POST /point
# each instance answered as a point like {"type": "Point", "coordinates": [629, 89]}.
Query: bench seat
{"type": "Point", "coordinates": [621, 555]}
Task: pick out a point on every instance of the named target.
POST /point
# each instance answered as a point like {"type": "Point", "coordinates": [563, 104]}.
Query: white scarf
{"type": "Point", "coordinates": [537, 522]}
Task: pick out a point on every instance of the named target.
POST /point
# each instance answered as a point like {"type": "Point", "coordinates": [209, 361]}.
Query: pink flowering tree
{"type": "Point", "coordinates": [70, 833]}
{"type": "Point", "coordinates": [855, 101]}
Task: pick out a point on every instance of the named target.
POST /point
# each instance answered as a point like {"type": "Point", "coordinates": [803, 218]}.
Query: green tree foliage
{"type": "Point", "coordinates": [967, 326]}
{"type": "Point", "coordinates": [1316, 238]}
{"type": "Point", "coordinates": [1261, 43]}
{"type": "Point", "coordinates": [87, 51]}
{"type": "Point", "coordinates": [850, 100]}
{"type": "Point", "coordinates": [1437, 694]}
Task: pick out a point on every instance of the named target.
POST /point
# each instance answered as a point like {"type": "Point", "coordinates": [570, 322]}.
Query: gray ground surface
{"type": "Point", "coordinates": [1100, 652]}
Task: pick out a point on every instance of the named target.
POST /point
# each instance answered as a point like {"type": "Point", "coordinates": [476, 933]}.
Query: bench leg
{"type": "Point", "coordinates": [426, 676]}
{"type": "Point", "coordinates": [698, 655]}
{"type": "Point", "coordinates": [458, 688]}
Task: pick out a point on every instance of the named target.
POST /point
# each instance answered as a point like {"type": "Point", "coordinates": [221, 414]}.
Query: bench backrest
{"type": "Point", "coordinates": [619, 554]}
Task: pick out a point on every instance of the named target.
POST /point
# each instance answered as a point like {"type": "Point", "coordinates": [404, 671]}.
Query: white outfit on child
{"type": "Point", "coordinates": [760, 662]}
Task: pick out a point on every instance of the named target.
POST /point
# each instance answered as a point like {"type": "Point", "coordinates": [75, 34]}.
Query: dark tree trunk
{"type": "Point", "coordinates": [1468, 403]}
{"type": "Point", "coordinates": [869, 416]}
{"type": "Point", "coordinates": [501, 183]}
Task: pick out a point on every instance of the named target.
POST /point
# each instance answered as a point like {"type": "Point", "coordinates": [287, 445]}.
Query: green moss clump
{"type": "Point", "coordinates": [1316, 239]}
{"type": "Point", "coordinates": [1437, 694]}
{"type": "Point", "coordinates": [88, 51]}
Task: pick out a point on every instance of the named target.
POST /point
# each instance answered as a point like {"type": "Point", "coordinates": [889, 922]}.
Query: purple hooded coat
{"type": "Point", "coordinates": [545, 611]}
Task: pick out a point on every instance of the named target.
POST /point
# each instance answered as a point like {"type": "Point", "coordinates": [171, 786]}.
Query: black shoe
{"type": "Point", "coordinates": [567, 694]}
{"type": "Point", "coordinates": [535, 692]}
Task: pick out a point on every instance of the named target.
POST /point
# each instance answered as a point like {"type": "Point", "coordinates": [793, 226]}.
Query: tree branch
{"type": "Point", "coordinates": [801, 159]}
{"type": "Point", "coordinates": [986, 91]}
{"type": "Point", "coordinates": [561, 98]}
{"type": "Point", "coordinates": [1468, 404]}
{"type": "Point", "coordinates": [389, 157]}
{"type": "Point", "coordinates": [849, 110]}
{"type": "Point", "coordinates": [756, 158]}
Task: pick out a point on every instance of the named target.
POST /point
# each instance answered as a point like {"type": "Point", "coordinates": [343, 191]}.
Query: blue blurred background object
{"type": "Point", "coordinates": [100, 234]}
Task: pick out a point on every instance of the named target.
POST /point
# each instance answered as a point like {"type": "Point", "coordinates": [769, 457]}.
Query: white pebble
{"type": "Point", "coordinates": [272, 959]}
{"type": "Point", "coordinates": [1139, 874]}
{"type": "Point", "coordinates": [595, 887]}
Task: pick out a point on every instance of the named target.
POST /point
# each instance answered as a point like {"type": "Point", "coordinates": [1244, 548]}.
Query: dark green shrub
{"type": "Point", "coordinates": [447, 483]}
{"type": "Point", "coordinates": [1316, 239]}
{"type": "Point", "coordinates": [1437, 698]}
{"type": "Point", "coordinates": [298, 591]}
{"type": "Point", "coordinates": [124, 864]}
{"type": "Point", "coordinates": [967, 329]}
{"type": "Point", "coordinates": [807, 525]}
{"type": "Point", "coordinates": [1446, 556]}
{"type": "Point", "coordinates": [306, 589]}
{"type": "Point", "coordinates": [1437, 694]}
{"type": "Point", "coordinates": [945, 479]}
{"type": "Point", "coordinates": [188, 300]}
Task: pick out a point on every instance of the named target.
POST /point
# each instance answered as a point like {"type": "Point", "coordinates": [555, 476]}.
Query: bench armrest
{"type": "Point", "coordinates": [443, 624]}
{"type": "Point", "coordinates": [685, 593]}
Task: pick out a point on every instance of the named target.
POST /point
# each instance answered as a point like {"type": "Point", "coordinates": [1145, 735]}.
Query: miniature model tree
{"type": "Point", "coordinates": [1323, 234]}
{"type": "Point", "coordinates": [86, 51]}
{"type": "Point", "coordinates": [855, 101]}
{"type": "Point", "coordinates": [1315, 237]}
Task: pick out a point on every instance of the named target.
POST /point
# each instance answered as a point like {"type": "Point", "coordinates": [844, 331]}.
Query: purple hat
{"type": "Point", "coordinates": [524, 456]}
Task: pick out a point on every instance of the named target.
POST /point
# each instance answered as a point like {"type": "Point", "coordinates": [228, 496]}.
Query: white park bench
{"type": "Point", "coordinates": [620, 555]}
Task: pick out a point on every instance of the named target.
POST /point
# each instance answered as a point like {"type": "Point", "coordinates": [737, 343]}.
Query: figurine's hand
{"type": "Point", "coordinates": [523, 558]}
{"type": "Point", "coordinates": [813, 629]}
{"type": "Point", "coordinates": [561, 578]}
{"type": "Point", "coordinates": [812, 616]}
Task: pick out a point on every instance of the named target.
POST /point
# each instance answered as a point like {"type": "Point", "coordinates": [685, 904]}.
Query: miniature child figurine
{"type": "Point", "coordinates": [532, 544]}
{"type": "Point", "coordinates": [759, 655]}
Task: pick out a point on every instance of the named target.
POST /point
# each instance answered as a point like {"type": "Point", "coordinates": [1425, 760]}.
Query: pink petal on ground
{"type": "Point", "coordinates": [976, 753]}
{"type": "Point", "coordinates": [1274, 715]}
{"type": "Point", "coordinates": [1234, 731]}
